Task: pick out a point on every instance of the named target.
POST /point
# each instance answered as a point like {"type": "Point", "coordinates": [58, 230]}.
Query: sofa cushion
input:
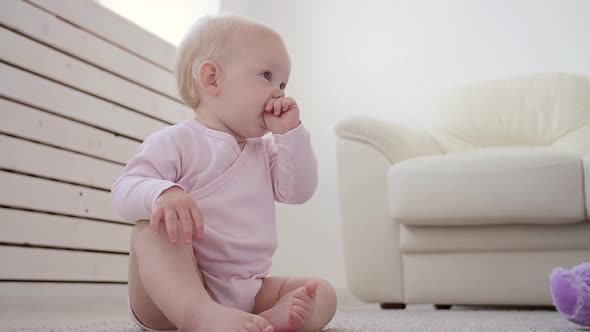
{"type": "Point", "coordinates": [493, 238]}
{"type": "Point", "coordinates": [530, 110]}
{"type": "Point", "coordinates": [512, 185]}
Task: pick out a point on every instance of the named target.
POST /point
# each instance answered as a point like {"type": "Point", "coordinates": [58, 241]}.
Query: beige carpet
{"type": "Point", "coordinates": [413, 319]}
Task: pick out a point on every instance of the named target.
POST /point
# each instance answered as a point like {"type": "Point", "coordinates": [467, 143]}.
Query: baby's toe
{"type": "Point", "coordinates": [260, 323]}
{"type": "Point", "coordinates": [302, 295]}
{"type": "Point", "coordinates": [296, 320]}
{"type": "Point", "coordinates": [311, 288]}
{"type": "Point", "coordinates": [300, 311]}
{"type": "Point", "coordinates": [251, 327]}
{"type": "Point", "coordinates": [300, 303]}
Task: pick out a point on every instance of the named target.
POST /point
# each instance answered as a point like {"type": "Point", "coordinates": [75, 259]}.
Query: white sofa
{"type": "Point", "coordinates": [478, 206]}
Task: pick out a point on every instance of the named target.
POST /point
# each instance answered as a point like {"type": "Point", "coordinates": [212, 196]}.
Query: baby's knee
{"type": "Point", "coordinates": [139, 233]}
{"type": "Point", "coordinates": [143, 235]}
{"type": "Point", "coordinates": [145, 240]}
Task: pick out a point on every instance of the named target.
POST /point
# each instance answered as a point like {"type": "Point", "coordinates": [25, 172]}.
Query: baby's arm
{"type": "Point", "coordinates": [155, 168]}
{"type": "Point", "coordinates": [293, 166]}
{"type": "Point", "coordinates": [147, 189]}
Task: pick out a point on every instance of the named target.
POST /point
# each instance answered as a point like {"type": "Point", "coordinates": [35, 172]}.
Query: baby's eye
{"type": "Point", "coordinates": [267, 75]}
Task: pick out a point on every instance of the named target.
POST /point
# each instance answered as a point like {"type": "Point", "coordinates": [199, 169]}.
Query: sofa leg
{"type": "Point", "coordinates": [443, 306]}
{"type": "Point", "coordinates": [392, 305]}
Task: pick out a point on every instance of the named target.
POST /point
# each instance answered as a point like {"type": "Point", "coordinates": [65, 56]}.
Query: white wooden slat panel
{"type": "Point", "coordinates": [27, 122]}
{"type": "Point", "coordinates": [50, 264]}
{"type": "Point", "coordinates": [93, 17]}
{"type": "Point", "coordinates": [25, 227]}
{"type": "Point", "coordinates": [53, 163]}
{"type": "Point", "coordinates": [38, 58]}
{"type": "Point", "coordinates": [44, 94]}
{"type": "Point", "coordinates": [26, 192]}
{"type": "Point", "coordinates": [40, 25]}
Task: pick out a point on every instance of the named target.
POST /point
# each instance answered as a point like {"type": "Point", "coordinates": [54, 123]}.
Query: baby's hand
{"type": "Point", "coordinates": [174, 206]}
{"type": "Point", "coordinates": [282, 115]}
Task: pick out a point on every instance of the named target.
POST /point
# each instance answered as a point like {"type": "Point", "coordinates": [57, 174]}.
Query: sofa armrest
{"type": "Point", "coordinates": [396, 142]}
{"type": "Point", "coordinates": [366, 150]}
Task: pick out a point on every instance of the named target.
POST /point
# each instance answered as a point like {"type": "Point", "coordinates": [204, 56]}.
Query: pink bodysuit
{"type": "Point", "coordinates": [235, 191]}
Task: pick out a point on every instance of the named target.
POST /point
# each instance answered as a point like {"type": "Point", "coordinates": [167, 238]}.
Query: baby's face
{"type": "Point", "coordinates": [255, 68]}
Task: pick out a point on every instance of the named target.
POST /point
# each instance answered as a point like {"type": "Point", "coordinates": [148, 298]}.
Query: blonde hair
{"type": "Point", "coordinates": [205, 40]}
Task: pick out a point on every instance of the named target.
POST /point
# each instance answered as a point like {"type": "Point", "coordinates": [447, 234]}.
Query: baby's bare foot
{"type": "Point", "coordinates": [293, 309]}
{"type": "Point", "coordinates": [217, 318]}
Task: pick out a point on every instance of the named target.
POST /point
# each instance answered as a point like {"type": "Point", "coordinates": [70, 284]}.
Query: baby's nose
{"type": "Point", "coordinates": [278, 93]}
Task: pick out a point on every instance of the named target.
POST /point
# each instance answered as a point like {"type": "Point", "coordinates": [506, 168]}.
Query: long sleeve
{"type": "Point", "coordinates": [154, 169]}
{"type": "Point", "coordinates": [293, 165]}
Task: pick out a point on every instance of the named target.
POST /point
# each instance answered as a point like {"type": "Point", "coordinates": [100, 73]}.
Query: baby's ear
{"type": "Point", "coordinates": [208, 77]}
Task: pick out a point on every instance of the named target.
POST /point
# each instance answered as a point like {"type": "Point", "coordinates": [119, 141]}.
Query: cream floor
{"type": "Point", "coordinates": [26, 307]}
{"type": "Point", "coordinates": [57, 304]}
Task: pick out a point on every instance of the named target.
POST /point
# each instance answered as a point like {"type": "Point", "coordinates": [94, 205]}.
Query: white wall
{"type": "Point", "coordinates": [388, 59]}
{"type": "Point", "coordinates": [168, 20]}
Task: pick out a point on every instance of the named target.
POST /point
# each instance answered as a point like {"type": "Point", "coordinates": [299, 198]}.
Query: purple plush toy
{"type": "Point", "coordinates": [571, 293]}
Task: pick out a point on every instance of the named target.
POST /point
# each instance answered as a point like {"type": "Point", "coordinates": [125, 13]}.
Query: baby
{"type": "Point", "coordinates": [211, 183]}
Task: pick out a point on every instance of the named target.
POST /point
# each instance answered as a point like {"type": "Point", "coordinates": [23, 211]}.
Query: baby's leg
{"type": "Point", "coordinates": [296, 304]}
{"type": "Point", "coordinates": [166, 289]}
